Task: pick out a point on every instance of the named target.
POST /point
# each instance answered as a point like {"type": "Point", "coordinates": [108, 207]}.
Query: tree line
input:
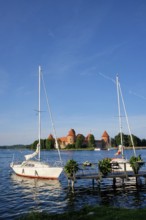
{"type": "Point", "coordinates": [82, 143]}
{"type": "Point", "coordinates": [127, 141]}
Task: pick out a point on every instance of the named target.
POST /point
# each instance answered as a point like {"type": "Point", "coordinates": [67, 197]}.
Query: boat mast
{"type": "Point", "coordinates": [39, 112]}
{"type": "Point", "coordinates": [119, 111]}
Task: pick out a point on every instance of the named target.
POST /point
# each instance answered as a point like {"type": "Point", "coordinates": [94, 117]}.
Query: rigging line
{"type": "Point", "coordinates": [139, 96]}
{"type": "Point", "coordinates": [127, 120]}
{"type": "Point", "coordinates": [51, 118]}
{"type": "Point", "coordinates": [107, 77]}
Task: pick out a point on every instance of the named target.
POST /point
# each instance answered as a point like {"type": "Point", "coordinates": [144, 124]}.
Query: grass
{"type": "Point", "coordinates": [90, 213]}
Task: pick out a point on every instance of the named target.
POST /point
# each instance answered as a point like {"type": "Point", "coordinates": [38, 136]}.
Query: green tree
{"type": "Point", "coordinates": [136, 140]}
{"type": "Point", "coordinates": [50, 144]}
{"type": "Point", "coordinates": [34, 144]}
{"type": "Point", "coordinates": [79, 141]}
{"type": "Point", "coordinates": [118, 139]}
{"type": "Point", "coordinates": [91, 141]}
{"type": "Point", "coordinates": [71, 167]}
{"type": "Point", "coordinates": [70, 146]}
{"type": "Point", "coordinates": [143, 142]}
{"type": "Point", "coordinates": [113, 142]}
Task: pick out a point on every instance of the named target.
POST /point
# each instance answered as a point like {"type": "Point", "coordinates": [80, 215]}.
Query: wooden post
{"type": "Point", "coordinates": [114, 182]}
{"type": "Point", "coordinates": [98, 182]}
{"type": "Point", "coordinates": [125, 171]}
{"type": "Point", "coordinates": [145, 180]}
{"type": "Point", "coordinates": [122, 181]}
{"type": "Point", "coordinates": [93, 182]}
{"type": "Point", "coordinates": [69, 181]}
{"type": "Point", "coordinates": [72, 183]}
{"type": "Point", "coordinates": [136, 180]}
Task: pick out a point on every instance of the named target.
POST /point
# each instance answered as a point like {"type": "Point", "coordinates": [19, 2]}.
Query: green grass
{"type": "Point", "coordinates": [91, 213]}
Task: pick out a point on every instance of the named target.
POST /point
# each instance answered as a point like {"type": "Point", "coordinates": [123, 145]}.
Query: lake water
{"type": "Point", "coordinates": [21, 195]}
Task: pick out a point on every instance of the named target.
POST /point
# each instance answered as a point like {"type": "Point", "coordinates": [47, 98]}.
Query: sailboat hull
{"type": "Point", "coordinates": [120, 164]}
{"type": "Point", "coordinates": [35, 169]}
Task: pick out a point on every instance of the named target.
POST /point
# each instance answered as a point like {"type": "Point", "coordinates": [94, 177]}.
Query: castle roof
{"type": "Point", "coordinates": [63, 139]}
{"type": "Point", "coordinates": [50, 137]}
{"type": "Point", "coordinates": [105, 134]}
{"type": "Point", "coordinates": [71, 133]}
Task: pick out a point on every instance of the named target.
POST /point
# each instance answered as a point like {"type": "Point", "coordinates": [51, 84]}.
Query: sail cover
{"type": "Point", "coordinates": [119, 150]}
{"type": "Point", "coordinates": [29, 156]}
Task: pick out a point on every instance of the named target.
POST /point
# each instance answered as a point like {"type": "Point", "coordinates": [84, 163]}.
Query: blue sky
{"type": "Point", "coordinates": [81, 46]}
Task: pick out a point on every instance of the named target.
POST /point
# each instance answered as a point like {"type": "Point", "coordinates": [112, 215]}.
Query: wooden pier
{"type": "Point", "coordinates": [92, 172]}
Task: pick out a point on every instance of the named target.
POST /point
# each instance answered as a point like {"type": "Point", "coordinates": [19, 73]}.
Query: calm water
{"type": "Point", "coordinates": [21, 195]}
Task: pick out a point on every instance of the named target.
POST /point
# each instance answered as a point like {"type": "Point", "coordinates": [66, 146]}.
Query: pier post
{"type": "Point", "coordinates": [123, 181]}
{"type": "Point", "coordinates": [93, 182]}
{"type": "Point", "coordinates": [125, 172]}
{"type": "Point", "coordinates": [69, 181]}
{"type": "Point", "coordinates": [72, 183]}
{"type": "Point", "coordinates": [114, 182]}
{"type": "Point", "coordinates": [145, 180]}
{"type": "Point", "coordinates": [136, 178]}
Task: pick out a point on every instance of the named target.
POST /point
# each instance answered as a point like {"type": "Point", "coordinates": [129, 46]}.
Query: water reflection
{"type": "Point", "coordinates": [36, 189]}
{"type": "Point", "coordinates": [35, 194]}
{"type": "Point", "coordinates": [35, 183]}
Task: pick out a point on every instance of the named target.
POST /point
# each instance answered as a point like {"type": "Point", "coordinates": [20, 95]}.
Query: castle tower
{"type": "Point", "coordinates": [105, 138]}
{"type": "Point", "coordinates": [50, 137]}
{"type": "Point", "coordinates": [71, 137]}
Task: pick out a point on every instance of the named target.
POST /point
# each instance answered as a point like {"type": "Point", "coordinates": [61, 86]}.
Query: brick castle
{"type": "Point", "coordinates": [71, 138]}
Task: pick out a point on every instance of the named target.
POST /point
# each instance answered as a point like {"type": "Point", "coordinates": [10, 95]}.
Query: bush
{"type": "Point", "coordinates": [71, 168]}
{"type": "Point", "coordinates": [104, 166]}
{"type": "Point", "coordinates": [136, 163]}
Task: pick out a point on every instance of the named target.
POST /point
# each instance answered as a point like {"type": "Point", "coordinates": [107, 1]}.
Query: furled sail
{"type": "Point", "coordinates": [119, 150]}
{"type": "Point", "coordinates": [29, 156]}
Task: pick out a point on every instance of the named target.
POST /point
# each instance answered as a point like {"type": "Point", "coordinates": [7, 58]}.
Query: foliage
{"type": "Point", "coordinates": [34, 145]}
{"type": "Point", "coordinates": [104, 166]}
{"type": "Point", "coordinates": [84, 146]}
{"type": "Point", "coordinates": [71, 167]}
{"type": "Point", "coordinates": [136, 163]}
{"type": "Point", "coordinates": [50, 144]}
{"type": "Point", "coordinates": [79, 141]}
{"type": "Point", "coordinates": [70, 146]}
{"type": "Point", "coordinates": [127, 140]}
{"type": "Point", "coordinates": [91, 141]}
{"type": "Point", "coordinates": [90, 213]}
{"type": "Point", "coordinates": [143, 142]}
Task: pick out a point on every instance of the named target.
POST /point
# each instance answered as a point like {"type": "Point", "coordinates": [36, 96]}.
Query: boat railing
{"type": "Point", "coordinates": [59, 163]}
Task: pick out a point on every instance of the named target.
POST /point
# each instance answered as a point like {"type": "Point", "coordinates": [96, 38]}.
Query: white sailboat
{"type": "Point", "coordinates": [36, 168]}
{"type": "Point", "coordinates": [119, 163]}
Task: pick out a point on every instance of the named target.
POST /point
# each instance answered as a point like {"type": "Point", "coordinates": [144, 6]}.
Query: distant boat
{"type": "Point", "coordinates": [36, 168]}
{"type": "Point", "coordinates": [118, 163]}
{"type": "Point", "coordinates": [97, 149]}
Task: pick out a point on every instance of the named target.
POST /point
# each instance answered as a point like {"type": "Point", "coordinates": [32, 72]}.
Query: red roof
{"type": "Point", "coordinates": [50, 137]}
{"type": "Point", "coordinates": [63, 139]}
{"type": "Point", "coordinates": [71, 133]}
{"type": "Point", "coordinates": [105, 134]}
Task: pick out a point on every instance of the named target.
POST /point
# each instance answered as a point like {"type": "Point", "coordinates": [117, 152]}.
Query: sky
{"type": "Point", "coordinates": [81, 46]}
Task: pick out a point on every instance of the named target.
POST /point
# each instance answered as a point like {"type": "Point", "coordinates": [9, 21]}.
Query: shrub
{"type": "Point", "coordinates": [136, 163]}
{"type": "Point", "coordinates": [104, 166]}
{"type": "Point", "coordinates": [71, 168]}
